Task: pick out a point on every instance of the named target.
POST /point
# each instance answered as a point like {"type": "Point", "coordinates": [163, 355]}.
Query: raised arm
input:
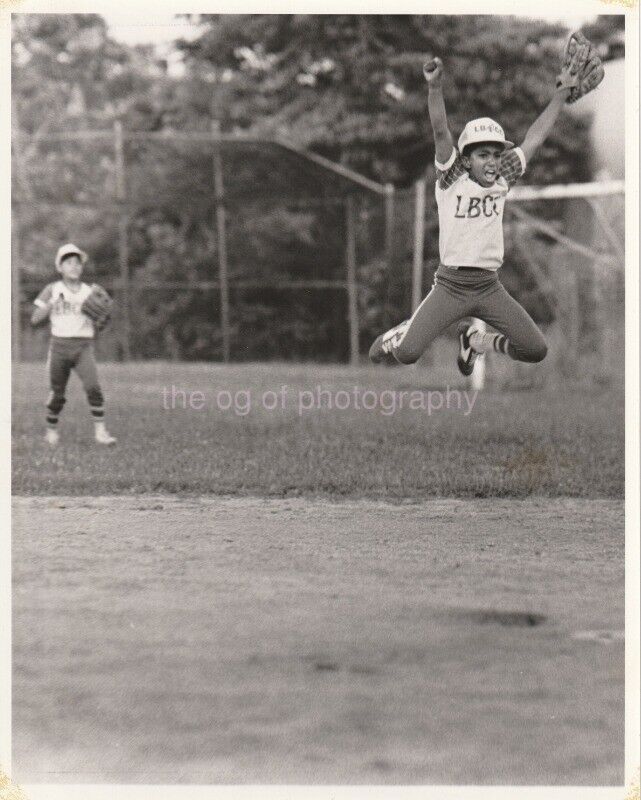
{"type": "Point", "coordinates": [433, 72]}
{"type": "Point", "coordinates": [543, 124]}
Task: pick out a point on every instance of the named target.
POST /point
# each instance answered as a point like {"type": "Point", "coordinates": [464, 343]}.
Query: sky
{"type": "Point", "coordinates": [134, 27]}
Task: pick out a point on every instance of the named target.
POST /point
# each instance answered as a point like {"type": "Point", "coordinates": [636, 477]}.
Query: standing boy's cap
{"type": "Point", "coordinates": [69, 250]}
{"type": "Point", "coordinates": [483, 129]}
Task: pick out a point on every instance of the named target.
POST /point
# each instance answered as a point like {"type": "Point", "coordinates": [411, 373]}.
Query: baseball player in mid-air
{"type": "Point", "coordinates": [75, 316]}
{"type": "Point", "coordinates": [473, 181]}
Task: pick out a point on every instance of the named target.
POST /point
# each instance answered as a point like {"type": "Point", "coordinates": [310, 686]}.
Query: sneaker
{"type": "Point", "coordinates": [381, 351]}
{"type": "Point", "coordinates": [104, 437]}
{"type": "Point", "coordinates": [52, 437]}
{"type": "Point", "coordinates": [467, 355]}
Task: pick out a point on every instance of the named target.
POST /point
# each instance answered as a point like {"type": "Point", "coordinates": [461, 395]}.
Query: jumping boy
{"type": "Point", "coordinates": [471, 187]}
{"type": "Point", "coordinates": [71, 347]}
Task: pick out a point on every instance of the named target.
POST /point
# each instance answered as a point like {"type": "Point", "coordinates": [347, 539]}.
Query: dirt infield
{"type": "Point", "coordinates": [235, 640]}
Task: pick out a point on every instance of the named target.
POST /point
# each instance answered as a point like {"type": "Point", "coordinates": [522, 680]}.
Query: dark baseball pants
{"type": "Point", "coordinates": [465, 293]}
{"type": "Point", "coordinates": [66, 355]}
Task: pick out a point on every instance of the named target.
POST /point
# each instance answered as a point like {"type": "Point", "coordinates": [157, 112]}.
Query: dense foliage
{"type": "Point", "coordinates": [348, 87]}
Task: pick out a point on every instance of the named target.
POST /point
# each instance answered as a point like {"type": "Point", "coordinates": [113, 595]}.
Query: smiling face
{"type": "Point", "coordinates": [482, 161]}
{"type": "Point", "coordinates": [71, 268]}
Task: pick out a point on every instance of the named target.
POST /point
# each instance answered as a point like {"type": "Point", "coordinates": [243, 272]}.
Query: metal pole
{"type": "Point", "coordinates": [16, 328]}
{"type": "Point", "coordinates": [221, 232]}
{"type": "Point", "coordinates": [123, 243]}
{"type": "Point", "coordinates": [572, 322]}
{"type": "Point", "coordinates": [389, 245]}
{"type": "Point", "coordinates": [352, 288]}
{"type": "Point", "coordinates": [419, 237]}
{"type": "Point", "coordinates": [22, 174]}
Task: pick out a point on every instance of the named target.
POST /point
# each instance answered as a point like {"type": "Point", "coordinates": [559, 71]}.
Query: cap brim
{"type": "Point", "coordinates": [80, 253]}
{"type": "Point", "coordinates": [503, 142]}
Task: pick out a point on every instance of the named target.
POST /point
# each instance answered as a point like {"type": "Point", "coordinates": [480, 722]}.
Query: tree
{"type": "Point", "coordinates": [351, 86]}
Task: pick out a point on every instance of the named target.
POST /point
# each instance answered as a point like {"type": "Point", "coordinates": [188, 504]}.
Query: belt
{"type": "Point", "coordinates": [466, 269]}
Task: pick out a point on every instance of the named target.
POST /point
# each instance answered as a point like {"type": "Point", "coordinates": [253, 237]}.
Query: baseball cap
{"type": "Point", "coordinates": [482, 129]}
{"type": "Point", "coordinates": [69, 250]}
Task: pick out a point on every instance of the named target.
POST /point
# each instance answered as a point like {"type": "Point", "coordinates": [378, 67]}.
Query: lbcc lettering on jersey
{"type": "Point", "coordinates": [470, 215]}
{"type": "Point", "coordinates": [67, 320]}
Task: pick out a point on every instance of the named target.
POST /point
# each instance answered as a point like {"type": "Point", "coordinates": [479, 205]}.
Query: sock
{"type": "Point", "coordinates": [482, 342]}
{"type": "Point", "coordinates": [99, 426]}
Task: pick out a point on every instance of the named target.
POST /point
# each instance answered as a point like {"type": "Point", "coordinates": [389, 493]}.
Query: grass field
{"type": "Point", "coordinates": [565, 440]}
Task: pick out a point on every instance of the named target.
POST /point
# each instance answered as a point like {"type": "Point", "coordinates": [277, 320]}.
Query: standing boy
{"type": "Point", "coordinates": [72, 337]}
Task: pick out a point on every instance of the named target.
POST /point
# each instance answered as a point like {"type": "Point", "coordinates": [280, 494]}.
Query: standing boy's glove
{"type": "Point", "coordinates": [98, 306]}
{"type": "Point", "coordinates": [582, 70]}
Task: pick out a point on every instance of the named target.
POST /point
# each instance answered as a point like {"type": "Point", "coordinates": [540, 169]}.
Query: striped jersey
{"type": "Point", "coordinates": [470, 216]}
{"type": "Point", "coordinates": [67, 320]}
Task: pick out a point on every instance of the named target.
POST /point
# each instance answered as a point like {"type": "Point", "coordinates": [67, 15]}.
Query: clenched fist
{"type": "Point", "coordinates": [433, 71]}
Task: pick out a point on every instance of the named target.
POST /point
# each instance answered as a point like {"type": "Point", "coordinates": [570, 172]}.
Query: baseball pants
{"type": "Point", "coordinates": [477, 293]}
{"type": "Point", "coordinates": [65, 355]}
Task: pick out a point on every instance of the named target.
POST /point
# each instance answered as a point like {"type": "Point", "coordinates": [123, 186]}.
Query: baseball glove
{"type": "Point", "coordinates": [581, 70]}
{"type": "Point", "coordinates": [98, 306]}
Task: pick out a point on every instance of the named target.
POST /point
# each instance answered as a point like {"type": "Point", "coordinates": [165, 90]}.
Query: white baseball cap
{"type": "Point", "coordinates": [69, 250]}
{"type": "Point", "coordinates": [482, 129]}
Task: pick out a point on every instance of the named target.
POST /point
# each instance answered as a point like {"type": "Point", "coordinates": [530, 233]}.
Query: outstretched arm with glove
{"type": "Point", "coordinates": [581, 72]}
{"type": "Point", "coordinates": [543, 124]}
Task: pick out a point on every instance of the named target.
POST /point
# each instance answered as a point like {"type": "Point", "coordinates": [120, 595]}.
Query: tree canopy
{"type": "Point", "coordinates": [349, 87]}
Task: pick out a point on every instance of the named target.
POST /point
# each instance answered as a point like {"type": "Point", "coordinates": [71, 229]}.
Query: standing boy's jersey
{"type": "Point", "coordinates": [67, 320]}
{"type": "Point", "coordinates": [470, 216]}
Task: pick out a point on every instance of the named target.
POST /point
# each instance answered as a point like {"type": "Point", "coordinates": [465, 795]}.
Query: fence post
{"type": "Point", "coordinates": [419, 237]}
{"type": "Point", "coordinates": [389, 243]}
{"type": "Point", "coordinates": [22, 177]}
{"type": "Point", "coordinates": [16, 326]}
{"type": "Point", "coordinates": [568, 319]}
{"type": "Point", "coordinates": [25, 188]}
{"type": "Point", "coordinates": [221, 237]}
{"type": "Point", "coordinates": [123, 243]}
{"type": "Point", "coordinates": [352, 289]}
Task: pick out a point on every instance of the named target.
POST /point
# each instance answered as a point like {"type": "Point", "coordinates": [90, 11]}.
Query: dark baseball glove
{"type": "Point", "coordinates": [98, 306]}
{"type": "Point", "coordinates": [581, 70]}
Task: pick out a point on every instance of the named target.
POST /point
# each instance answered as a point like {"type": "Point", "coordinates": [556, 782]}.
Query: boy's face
{"type": "Point", "coordinates": [482, 162]}
{"type": "Point", "coordinates": [71, 268]}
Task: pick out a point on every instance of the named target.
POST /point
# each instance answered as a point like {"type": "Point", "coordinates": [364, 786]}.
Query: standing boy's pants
{"type": "Point", "coordinates": [65, 355]}
{"type": "Point", "coordinates": [471, 292]}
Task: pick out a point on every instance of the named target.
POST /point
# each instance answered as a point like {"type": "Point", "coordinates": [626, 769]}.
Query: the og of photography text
{"type": "Point", "coordinates": [386, 402]}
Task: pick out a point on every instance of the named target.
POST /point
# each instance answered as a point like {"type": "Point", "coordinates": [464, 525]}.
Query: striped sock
{"type": "Point", "coordinates": [97, 412]}
{"type": "Point", "coordinates": [501, 343]}
{"type": "Point", "coordinates": [482, 342]}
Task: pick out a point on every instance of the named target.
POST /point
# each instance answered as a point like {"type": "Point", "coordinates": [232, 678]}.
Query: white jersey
{"type": "Point", "coordinates": [67, 320]}
{"type": "Point", "coordinates": [470, 216]}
